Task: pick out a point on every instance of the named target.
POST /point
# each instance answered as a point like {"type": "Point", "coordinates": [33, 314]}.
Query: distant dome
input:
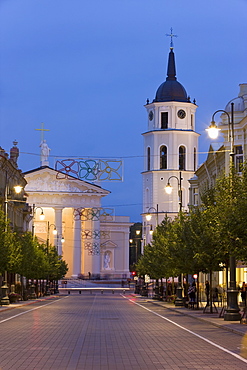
{"type": "Point", "coordinates": [171, 89]}
{"type": "Point", "coordinates": [238, 105]}
{"type": "Point", "coordinates": [239, 102]}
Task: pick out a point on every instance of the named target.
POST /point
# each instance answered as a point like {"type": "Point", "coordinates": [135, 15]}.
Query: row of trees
{"type": "Point", "coordinates": [203, 239]}
{"type": "Point", "coordinates": [21, 253]}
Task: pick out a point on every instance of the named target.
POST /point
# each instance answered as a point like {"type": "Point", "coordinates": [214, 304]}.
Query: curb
{"type": "Point", "coordinates": [13, 305]}
{"type": "Point", "coordinates": [185, 313]}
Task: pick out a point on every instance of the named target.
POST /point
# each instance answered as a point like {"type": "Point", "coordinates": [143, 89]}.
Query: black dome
{"type": "Point", "coordinates": [171, 89]}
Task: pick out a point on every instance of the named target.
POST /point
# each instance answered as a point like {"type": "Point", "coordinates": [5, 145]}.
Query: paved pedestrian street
{"type": "Point", "coordinates": [112, 331]}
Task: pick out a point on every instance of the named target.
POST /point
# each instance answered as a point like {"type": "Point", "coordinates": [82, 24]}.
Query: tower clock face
{"type": "Point", "coordinates": [181, 114]}
{"type": "Point", "coordinates": [151, 115]}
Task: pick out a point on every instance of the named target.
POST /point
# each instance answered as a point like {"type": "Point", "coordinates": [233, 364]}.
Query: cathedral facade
{"type": "Point", "coordinates": [93, 242]}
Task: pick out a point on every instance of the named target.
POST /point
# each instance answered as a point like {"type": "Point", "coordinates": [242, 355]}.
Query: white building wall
{"type": "Point", "coordinates": [180, 132]}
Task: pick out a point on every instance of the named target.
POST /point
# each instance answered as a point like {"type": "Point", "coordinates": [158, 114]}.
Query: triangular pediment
{"type": "Point", "coordinates": [45, 179]}
{"type": "Point", "coordinates": [108, 244]}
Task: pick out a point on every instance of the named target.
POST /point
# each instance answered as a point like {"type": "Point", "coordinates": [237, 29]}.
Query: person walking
{"type": "Point", "coordinates": [243, 293]}
{"type": "Point", "coordinates": [192, 294]}
{"type": "Point", "coordinates": [207, 291]}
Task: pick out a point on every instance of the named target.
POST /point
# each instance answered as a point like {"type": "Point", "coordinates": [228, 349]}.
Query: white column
{"type": "Point", "coordinates": [92, 253]}
{"type": "Point", "coordinates": [96, 257]}
{"type": "Point", "coordinates": [59, 227]}
{"type": "Point", "coordinates": [77, 248]}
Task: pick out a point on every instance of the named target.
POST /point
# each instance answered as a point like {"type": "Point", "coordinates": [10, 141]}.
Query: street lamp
{"type": "Point", "coordinates": [232, 311]}
{"type": "Point", "coordinates": [41, 216]}
{"type": "Point", "coordinates": [149, 214]}
{"type": "Point", "coordinates": [18, 188]}
{"type": "Point", "coordinates": [48, 232]}
{"type": "Point", "coordinates": [135, 240]}
{"type": "Point", "coordinates": [47, 244]}
{"type": "Point", "coordinates": [168, 189]}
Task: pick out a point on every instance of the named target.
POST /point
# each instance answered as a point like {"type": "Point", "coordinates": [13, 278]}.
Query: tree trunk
{"type": "Point", "coordinates": [210, 291]}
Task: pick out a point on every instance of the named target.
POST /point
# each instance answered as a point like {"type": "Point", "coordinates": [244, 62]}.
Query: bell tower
{"type": "Point", "coordinates": [170, 150]}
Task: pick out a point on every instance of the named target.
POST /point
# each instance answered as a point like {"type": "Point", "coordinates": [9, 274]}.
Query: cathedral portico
{"type": "Point", "coordinates": [73, 207]}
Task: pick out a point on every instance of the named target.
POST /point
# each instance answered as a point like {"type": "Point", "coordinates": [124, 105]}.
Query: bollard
{"type": "Point", "coordinates": [68, 291]}
{"type": "Point", "coordinates": [101, 291]}
{"type": "Point", "coordinates": [33, 295]}
{"type": "Point", "coordinates": [5, 298]}
{"type": "Point", "coordinates": [123, 291]}
{"type": "Point", "coordinates": [79, 291]}
{"type": "Point", "coordinates": [113, 292]}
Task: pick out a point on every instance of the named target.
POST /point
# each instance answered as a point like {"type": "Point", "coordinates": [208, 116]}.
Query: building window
{"type": "Point", "coordinates": [195, 196]}
{"type": "Point", "coordinates": [239, 158]}
{"type": "Point", "coordinates": [181, 158]}
{"type": "Point", "coordinates": [163, 157]}
{"type": "Point", "coordinates": [148, 159]}
{"type": "Point", "coordinates": [194, 159]}
{"type": "Point", "coordinates": [192, 122]}
{"type": "Point", "coordinates": [164, 120]}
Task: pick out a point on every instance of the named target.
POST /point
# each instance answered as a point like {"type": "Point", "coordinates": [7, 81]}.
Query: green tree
{"type": "Point", "coordinates": [34, 263]}
{"type": "Point", "coordinates": [57, 266]}
{"type": "Point", "coordinates": [10, 251]}
{"type": "Point", "coordinates": [155, 261]}
{"type": "Point", "coordinates": [227, 205]}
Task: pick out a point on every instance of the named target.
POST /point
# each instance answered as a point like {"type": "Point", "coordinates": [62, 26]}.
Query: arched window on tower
{"type": "Point", "coordinates": [148, 159]}
{"type": "Point", "coordinates": [147, 198]}
{"type": "Point", "coordinates": [163, 157]}
{"type": "Point", "coordinates": [194, 159]}
{"type": "Point", "coordinates": [182, 157]}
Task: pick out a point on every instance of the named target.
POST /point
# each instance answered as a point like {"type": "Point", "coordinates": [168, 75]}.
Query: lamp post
{"type": "Point", "coordinates": [41, 216]}
{"type": "Point", "coordinates": [168, 189]}
{"type": "Point", "coordinates": [4, 288]}
{"type": "Point", "coordinates": [156, 212]}
{"type": "Point", "coordinates": [47, 244]}
{"type": "Point", "coordinates": [48, 233]}
{"type": "Point", "coordinates": [56, 290]}
{"type": "Point", "coordinates": [17, 190]}
{"type": "Point", "coordinates": [134, 243]}
{"type": "Point", "coordinates": [150, 212]}
{"type": "Point", "coordinates": [232, 311]}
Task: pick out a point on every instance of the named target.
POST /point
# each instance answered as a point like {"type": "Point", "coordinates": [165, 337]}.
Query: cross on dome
{"type": "Point", "coordinates": [171, 35]}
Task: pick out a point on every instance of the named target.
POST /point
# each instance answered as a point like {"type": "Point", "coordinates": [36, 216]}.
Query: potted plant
{"type": "Point", "coordinates": [14, 297]}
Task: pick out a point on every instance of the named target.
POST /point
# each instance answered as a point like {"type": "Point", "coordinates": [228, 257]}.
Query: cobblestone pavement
{"type": "Point", "coordinates": [112, 331]}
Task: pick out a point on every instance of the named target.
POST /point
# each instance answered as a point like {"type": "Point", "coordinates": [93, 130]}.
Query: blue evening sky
{"type": "Point", "coordinates": [86, 68]}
